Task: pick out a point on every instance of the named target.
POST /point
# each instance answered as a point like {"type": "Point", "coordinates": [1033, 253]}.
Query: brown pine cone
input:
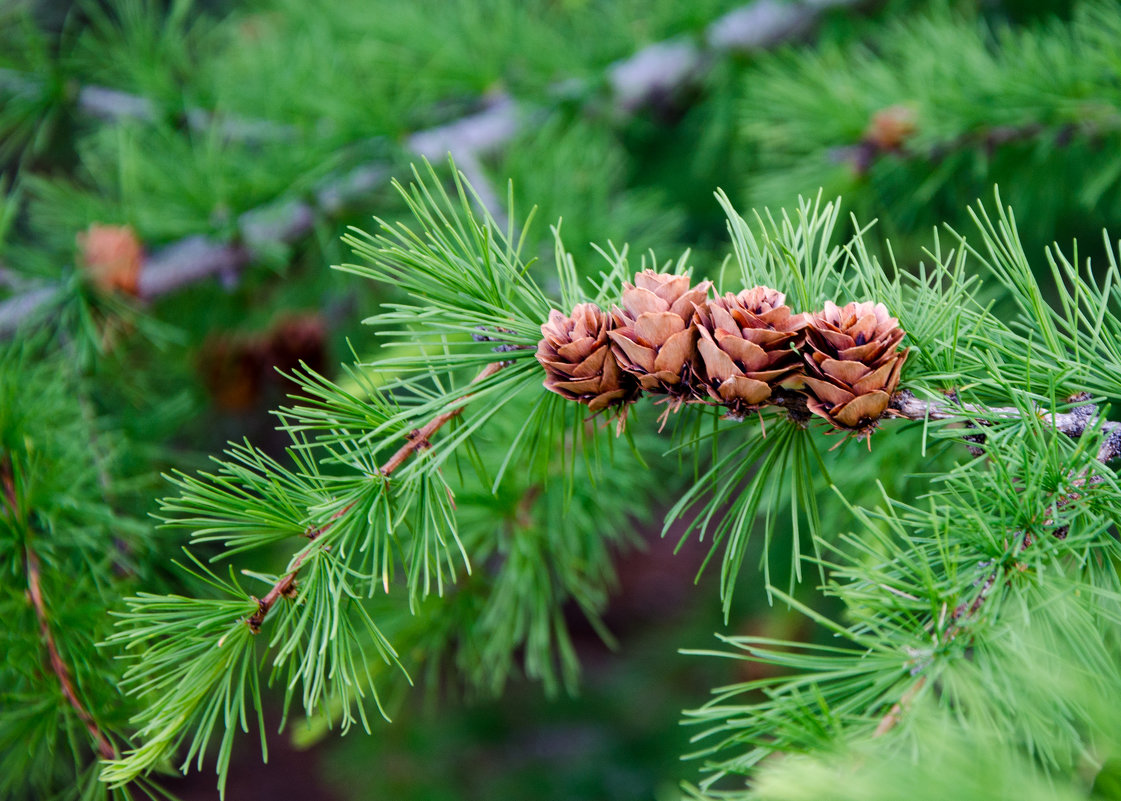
{"type": "Point", "coordinates": [578, 361]}
{"type": "Point", "coordinates": [852, 366]}
{"type": "Point", "coordinates": [112, 256]}
{"type": "Point", "coordinates": [654, 337]}
{"type": "Point", "coordinates": [747, 346]}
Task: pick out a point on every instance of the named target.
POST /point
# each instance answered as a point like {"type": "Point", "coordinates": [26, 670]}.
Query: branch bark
{"type": "Point", "coordinates": [61, 671]}
{"type": "Point", "coordinates": [417, 440]}
{"type": "Point", "coordinates": [1073, 424]}
{"type": "Point", "coordinates": [35, 594]}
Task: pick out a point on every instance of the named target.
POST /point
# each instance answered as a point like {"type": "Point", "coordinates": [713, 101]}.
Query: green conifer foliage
{"type": "Point", "coordinates": [435, 518]}
{"type": "Point", "coordinates": [68, 554]}
{"type": "Point", "coordinates": [915, 121]}
{"type": "Point", "coordinates": [953, 595]}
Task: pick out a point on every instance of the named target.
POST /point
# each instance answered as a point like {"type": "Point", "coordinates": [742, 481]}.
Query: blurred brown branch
{"type": "Point", "coordinates": [11, 508]}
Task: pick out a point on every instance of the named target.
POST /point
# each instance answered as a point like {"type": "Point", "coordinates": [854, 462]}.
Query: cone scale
{"type": "Point", "coordinates": [747, 347]}
{"type": "Point", "coordinates": [852, 365]}
{"type": "Point", "coordinates": [578, 360]}
{"type": "Point", "coordinates": [655, 338]}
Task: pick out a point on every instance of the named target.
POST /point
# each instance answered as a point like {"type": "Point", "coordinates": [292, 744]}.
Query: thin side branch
{"type": "Point", "coordinates": [888, 721]}
{"type": "Point", "coordinates": [1073, 424]}
{"type": "Point", "coordinates": [35, 593]}
{"type": "Point", "coordinates": [959, 620]}
{"type": "Point", "coordinates": [34, 590]}
{"type": "Point", "coordinates": [285, 587]}
{"type": "Point", "coordinates": [961, 615]}
{"type": "Point", "coordinates": [418, 439]}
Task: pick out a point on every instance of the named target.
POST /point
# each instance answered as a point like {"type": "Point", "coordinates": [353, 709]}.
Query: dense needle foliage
{"type": "Point", "coordinates": [430, 517]}
{"type": "Point", "coordinates": [1009, 552]}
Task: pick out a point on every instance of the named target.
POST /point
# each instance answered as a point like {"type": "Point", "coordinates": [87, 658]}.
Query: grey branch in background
{"type": "Point", "coordinates": [655, 70]}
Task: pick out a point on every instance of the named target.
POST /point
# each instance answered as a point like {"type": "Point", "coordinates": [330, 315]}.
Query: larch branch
{"type": "Point", "coordinates": [1073, 423]}
{"type": "Point", "coordinates": [417, 440]}
{"type": "Point", "coordinates": [35, 594]}
{"type": "Point", "coordinates": [963, 614]}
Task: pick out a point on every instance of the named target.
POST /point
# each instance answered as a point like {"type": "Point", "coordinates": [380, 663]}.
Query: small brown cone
{"type": "Point", "coordinates": [578, 360]}
{"type": "Point", "coordinates": [890, 127]}
{"type": "Point", "coordinates": [852, 365]}
{"type": "Point", "coordinates": [112, 256]}
{"type": "Point", "coordinates": [654, 338]}
{"type": "Point", "coordinates": [746, 347]}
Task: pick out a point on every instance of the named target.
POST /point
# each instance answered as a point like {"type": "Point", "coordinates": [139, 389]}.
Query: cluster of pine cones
{"type": "Point", "coordinates": [742, 352]}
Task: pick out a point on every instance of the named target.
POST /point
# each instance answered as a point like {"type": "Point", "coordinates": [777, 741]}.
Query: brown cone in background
{"type": "Point", "coordinates": [578, 360]}
{"type": "Point", "coordinates": [852, 365]}
{"type": "Point", "coordinates": [243, 370]}
{"type": "Point", "coordinates": [891, 127]}
{"type": "Point", "coordinates": [112, 256]}
{"type": "Point", "coordinates": [746, 347]}
{"type": "Point", "coordinates": [654, 337]}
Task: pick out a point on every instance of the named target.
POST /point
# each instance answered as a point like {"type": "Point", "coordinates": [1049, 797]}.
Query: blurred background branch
{"type": "Point", "coordinates": [663, 69]}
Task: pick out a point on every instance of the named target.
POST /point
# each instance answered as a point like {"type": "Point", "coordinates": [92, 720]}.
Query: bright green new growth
{"type": "Point", "coordinates": [455, 518]}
